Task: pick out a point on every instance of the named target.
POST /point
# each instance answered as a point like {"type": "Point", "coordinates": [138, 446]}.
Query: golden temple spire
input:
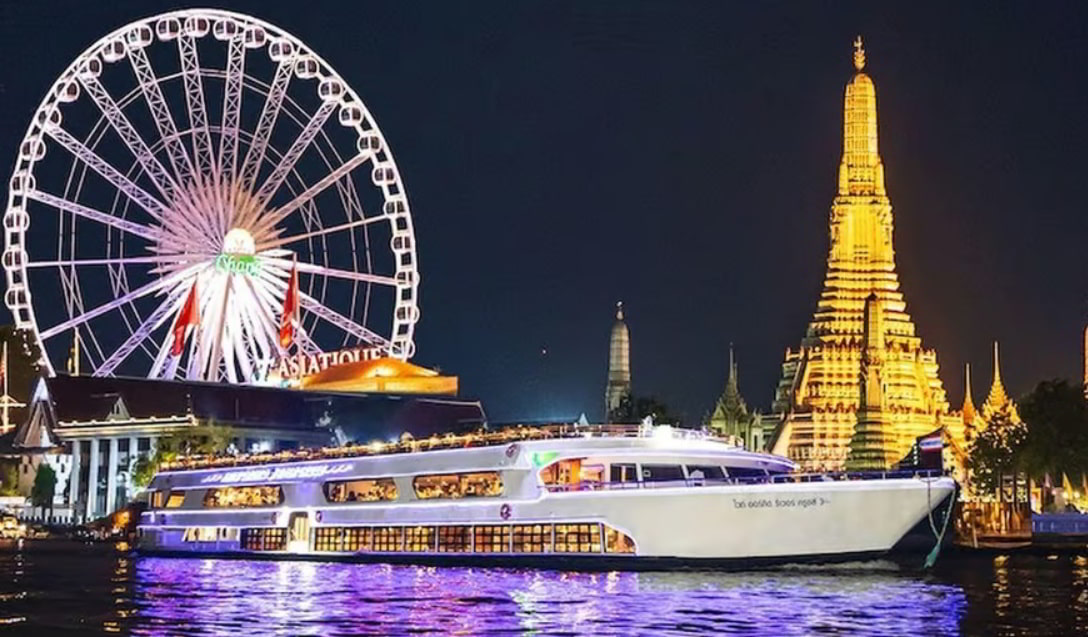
{"type": "Point", "coordinates": [998, 399]}
{"type": "Point", "coordinates": [861, 171]}
{"type": "Point", "coordinates": [968, 401]}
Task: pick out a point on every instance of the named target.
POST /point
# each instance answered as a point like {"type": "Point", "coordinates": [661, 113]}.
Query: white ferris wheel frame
{"type": "Point", "coordinates": [210, 192]}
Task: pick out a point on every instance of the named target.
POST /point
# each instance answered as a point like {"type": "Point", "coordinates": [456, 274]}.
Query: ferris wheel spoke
{"type": "Point", "coordinates": [200, 347]}
{"type": "Point", "coordinates": [306, 344]}
{"type": "Point", "coordinates": [217, 351]}
{"type": "Point", "coordinates": [143, 290]}
{"type": "Point", "coordinates": [136, 145]}
{"type": "Point", "coordinates": [64, 263]}
{"type": "Point", "coordinates": [272, 104]}
{"type": "Point", "coordinates": [145, 200]}
{"type": "Point", "coordinates": [351, 327]}
{"type": "Point", "coordinates": [269, 221]}
{"type": "Point", "coordinates": [311, 268]}
{"type": "Point", "coordinates": [270, 303]}
{"type": "Point", "coordinates": [198, 112]}
{"type": "Point", "coordinates": [170, 305]}
{"type": "Point", "coordinates": [261, 315]}
{"type": "Point", "coordinates": [245, 349]}
{"type": "Point", "coordinates": [275, 243]}
{"type": "Point", "coordinates": [124, 225]}
{"type": "Point", "coordinates": [160, 112]}
{"type": "Point", "coordinates": [291, 157]}
{"type": "Point", "coordinates": [232, 109]}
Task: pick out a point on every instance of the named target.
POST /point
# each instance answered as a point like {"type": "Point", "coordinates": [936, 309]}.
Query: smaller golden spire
{"type": "Point", "coordinates": [968, 402]}
{"type": "Point", "coordinates": [859, 54]}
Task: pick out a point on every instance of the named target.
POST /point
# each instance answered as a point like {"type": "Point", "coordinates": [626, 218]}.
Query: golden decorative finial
{"type": "Point", "coordinates": [859, 54]}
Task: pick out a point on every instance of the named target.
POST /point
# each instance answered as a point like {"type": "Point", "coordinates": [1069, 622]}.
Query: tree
{"type": "Point", "coordinates": [23, 368]}
{"type": "Point", "coordinates": [9, 478]}
{"type": "Point", "coordinates": [997, 451]}
{"type": "Point", "coordinates": [45, 485]}
{"type": "Point", "coordinates": [1056, 414]}
{"type": "Point", "coordinates": [204, 439]}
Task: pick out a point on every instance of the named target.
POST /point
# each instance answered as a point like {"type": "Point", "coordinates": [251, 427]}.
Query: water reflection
{"type": "Point", "coordinates": [301, 598]}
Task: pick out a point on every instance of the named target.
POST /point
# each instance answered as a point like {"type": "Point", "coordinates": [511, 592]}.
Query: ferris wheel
{"type": "Point", "coordinates": [206, 161]}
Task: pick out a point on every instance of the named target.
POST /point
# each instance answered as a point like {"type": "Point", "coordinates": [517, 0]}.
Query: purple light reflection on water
{"type": "Point", "coordinates": [172, 596]}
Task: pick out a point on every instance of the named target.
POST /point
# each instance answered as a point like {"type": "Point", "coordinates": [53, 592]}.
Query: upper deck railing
{"type": "Point", "coordinates": [407, 444]}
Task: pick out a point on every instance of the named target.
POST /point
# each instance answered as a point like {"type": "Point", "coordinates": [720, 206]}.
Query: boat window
{"type": "Point", "coordinates": [578, 538]}
{"type": "Point", "coordinates": [661, 472]}
{"type": "Point", "coordinates": [616, 541]}
{"type": "Point", "coordinates": [200, 534]}
{"type": "Point", "coordinates": [342, 538]}
{"type": "Point", "coordinates": [454, 539]}
{"type": "Point", "coordinates": [562, 472]}
{"type": "Point", "coordinates": [746, 472]}
{"type": "Point", "coordinates": [492, 539]}
{"type": "Point", "coordinates": [419, 539]}
{"type": "Point", "coordinates": [623, 473]}
{"type": "Point", "coordinates": [230, 497]}
{"type": "Point", "coordinates": [388, 538]}
{"type": "Point", "coordinates": [705, 472]}
{"type": "Point", "coordinates": [158, 499]}
{"type": "Point", "coordinates": [370, 490]}
{"type": "Point", "coordinates": [175, 499]}
{"type": "Point", "coordinates": [590, 475]}
{"type": "Point", "coordinates": [458, 485]}
{"type": "Point", "coordinates": [264, 539]}
{"type": "Point", "coordinates": [532, 538]}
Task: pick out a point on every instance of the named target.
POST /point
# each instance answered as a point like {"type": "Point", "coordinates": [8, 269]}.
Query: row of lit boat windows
{"type": "Point", "coordinates": [581, 537]}
{"type": "Point", "coordinates": [452, 486]}
{"type": "Point", "coordinates": [491, 538]}
{"type": "Point", "coordinates": [586, 473]}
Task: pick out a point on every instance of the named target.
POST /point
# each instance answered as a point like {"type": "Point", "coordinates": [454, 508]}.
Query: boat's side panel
{"type": "Point", "coordinates": [729, 522]}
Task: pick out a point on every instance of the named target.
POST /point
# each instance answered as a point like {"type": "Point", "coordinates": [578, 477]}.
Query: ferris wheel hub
{"type": "Point", "coordinates": [239, 242]}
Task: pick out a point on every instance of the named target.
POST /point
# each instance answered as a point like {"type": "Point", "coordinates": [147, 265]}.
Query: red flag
{"type": "Point", "coordinates": [290, 310]}
{"type": "Point", "coordinates": [189, 315]}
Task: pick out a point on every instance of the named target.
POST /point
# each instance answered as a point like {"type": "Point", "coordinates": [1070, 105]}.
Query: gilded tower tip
{"type": "Point", "coordinates": [859, 54]}
{"type": "Point", "coordinates": [619, 310]}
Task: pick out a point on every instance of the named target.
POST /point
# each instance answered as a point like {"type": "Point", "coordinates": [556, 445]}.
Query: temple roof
{"type": "Point", "coordinates": [730, 407]}
{"type": "Point", "coordinates": [969, 413]}
{"type": "Point", "coordinates": [998, 399]}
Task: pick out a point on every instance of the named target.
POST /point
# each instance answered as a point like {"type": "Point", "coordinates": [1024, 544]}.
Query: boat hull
{"type": "Point", "coordinates": [722, 526]}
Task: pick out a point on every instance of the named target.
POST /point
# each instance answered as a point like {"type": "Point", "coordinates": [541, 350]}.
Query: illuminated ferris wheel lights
{"type": "Point", "coordinates": [207, 203]}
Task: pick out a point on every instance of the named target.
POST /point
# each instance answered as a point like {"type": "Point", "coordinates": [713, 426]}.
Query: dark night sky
{"type": "Point", "coordinates": [682, 156]}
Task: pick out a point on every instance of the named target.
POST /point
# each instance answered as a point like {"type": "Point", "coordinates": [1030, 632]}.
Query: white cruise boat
{"type": "Point", "coordinates": [551, 496]}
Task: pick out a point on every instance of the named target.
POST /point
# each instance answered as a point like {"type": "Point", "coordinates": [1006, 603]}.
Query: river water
{"type": "Point", "coordinates": [91, 590]}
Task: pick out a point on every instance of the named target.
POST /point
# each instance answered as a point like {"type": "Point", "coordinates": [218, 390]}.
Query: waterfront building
{"type": "Point", "coordinates": [93, 430]}
{"type": "Point", "coordinates": [619, 365]}
{"type": "Point", "coordinates": [731, 417]}
{"type": "Point", "coordinates": [818, 397]}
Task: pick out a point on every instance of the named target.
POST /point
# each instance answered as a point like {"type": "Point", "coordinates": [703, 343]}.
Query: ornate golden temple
{"type": "Point", "coordinates": [861, 388]}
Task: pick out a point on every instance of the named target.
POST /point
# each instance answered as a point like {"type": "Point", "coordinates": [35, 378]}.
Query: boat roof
{"type": "Point", "coordinates": [407, 444]}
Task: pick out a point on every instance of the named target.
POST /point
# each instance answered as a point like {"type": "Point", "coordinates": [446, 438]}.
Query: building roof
{"type": "Point", "coordinates": [82, 399]}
